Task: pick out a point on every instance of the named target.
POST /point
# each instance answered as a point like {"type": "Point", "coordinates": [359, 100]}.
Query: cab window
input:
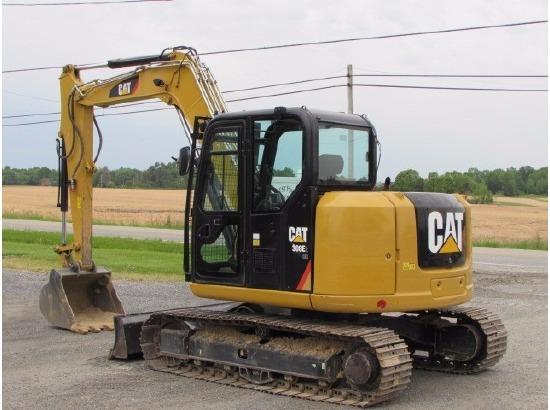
{"type": "Point", "coordinates": [278, 162]}
{"type": "Point", "coordinates": [343, 154]}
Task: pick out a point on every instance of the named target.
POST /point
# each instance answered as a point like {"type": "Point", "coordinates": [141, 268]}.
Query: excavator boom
{"type": "Point", "coordinates": [80, 296]}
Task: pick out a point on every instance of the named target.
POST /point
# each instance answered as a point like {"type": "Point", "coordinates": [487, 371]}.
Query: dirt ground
{"type": "Point", "coordinates": [508, 219]}
{"type": "Point", "coordinates": [55, 369]}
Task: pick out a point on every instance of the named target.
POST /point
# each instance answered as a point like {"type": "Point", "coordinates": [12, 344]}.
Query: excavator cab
{"type": "Point", "coordinates": [260, 176]}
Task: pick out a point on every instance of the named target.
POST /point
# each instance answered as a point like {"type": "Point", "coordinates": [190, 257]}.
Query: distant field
{"type": "Point", "coordinates": [508, 220]}
{"type": "Point", "coordinates": [145, 207]}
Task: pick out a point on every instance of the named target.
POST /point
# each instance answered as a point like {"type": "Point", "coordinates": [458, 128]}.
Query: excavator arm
{"type": "Point", "coordinates": [178, 80]}
{"type": "Point", "coordinates": [81, 296]}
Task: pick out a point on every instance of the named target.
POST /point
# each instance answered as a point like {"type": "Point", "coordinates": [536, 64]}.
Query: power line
{"type": "Point", "coordinates": [29, 96]}
{"type": "Point", "coordinates": [454, 88]}
{"type": "Point", "coordinates": [390, 75]}
{"type": "Point", "coordinates": [97, 115]}
{"type": "Point", "coordinates": [388, 86]}
{"type": "Point", "coordinates": [41, 68]}
{"type": "Point", "coordinates": [292, 92]}
{"type": "Point", "coordinates": [58, 112]}
{"type": "Point", "coordinates": [302, 82]}
{"type": "Point", "coordinates": [80, 3]}
{"type": "Point", "coordinates": [31, 115]}
{"type": "Point", "coordinates": [28, 123]}
{"type": "Point", "coordinates": [343, 40]}
{"type": "Point", "coordinates": [380, 37]}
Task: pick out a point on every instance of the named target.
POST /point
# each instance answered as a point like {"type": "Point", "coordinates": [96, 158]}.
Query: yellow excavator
{"type": "Point", "coordinates": [336, 290]}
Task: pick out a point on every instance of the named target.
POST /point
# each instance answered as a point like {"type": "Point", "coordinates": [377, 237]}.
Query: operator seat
{"type": "Point", "coordinates": [330, 165]}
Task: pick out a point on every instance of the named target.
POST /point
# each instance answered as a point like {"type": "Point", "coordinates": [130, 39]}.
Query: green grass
{"type": "Point", "coordinates": [139, 259]}
{"type": "Point", "coordinates": [126, 258]}
{"type": "Point", "coordinates": [166, 224]}
{"type": "Point", "coordinates": [535, 243]}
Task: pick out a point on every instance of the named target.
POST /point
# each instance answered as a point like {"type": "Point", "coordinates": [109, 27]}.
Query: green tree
{"type": "Point", "coordinates": [408, 180]}
{"type": "Point", "coordinates": [537, 182]}
{"type": "Point", "coordinates": [285, 172]}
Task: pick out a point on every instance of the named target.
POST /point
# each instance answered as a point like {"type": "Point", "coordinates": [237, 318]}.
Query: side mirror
{"type": "Point", "coordinates": [184, 161]}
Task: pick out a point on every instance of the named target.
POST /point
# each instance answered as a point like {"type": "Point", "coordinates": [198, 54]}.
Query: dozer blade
{"type": "Point", "coordinates": [81, 302]}
{"type": "Point", "coordinates": [128, 330]}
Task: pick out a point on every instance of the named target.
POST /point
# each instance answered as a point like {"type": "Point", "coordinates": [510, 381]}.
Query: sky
{"type": "Point", "coordinates": [424, 130]}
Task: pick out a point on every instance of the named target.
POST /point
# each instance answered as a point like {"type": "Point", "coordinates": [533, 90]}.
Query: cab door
{"type": "Point", "coordinates": [280, 216]}
{"type": "Point", "coordinates": [217, 211]}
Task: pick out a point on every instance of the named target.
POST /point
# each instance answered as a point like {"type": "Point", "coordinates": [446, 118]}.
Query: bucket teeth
{"type": "Point", "coordinates": [82, 302]}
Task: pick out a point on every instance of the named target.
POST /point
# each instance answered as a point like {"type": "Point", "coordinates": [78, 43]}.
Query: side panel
{"type": "Point", "coordinates": [354, 244]}
{"type": "Point", "coordinates": [416, 288]}
{"type": "Point", "coordinates": [298, 300]}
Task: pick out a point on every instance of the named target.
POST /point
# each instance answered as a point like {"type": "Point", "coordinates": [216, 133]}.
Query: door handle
{"type": "Point", "coordinates": [204, 231]}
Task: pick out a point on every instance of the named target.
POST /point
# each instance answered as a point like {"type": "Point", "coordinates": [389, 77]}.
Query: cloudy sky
{"type": "Point", "coordinates": [426, 130]}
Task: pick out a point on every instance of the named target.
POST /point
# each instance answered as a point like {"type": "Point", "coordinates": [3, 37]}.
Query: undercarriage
{"type": "Point", "coordinates": [357, 360]}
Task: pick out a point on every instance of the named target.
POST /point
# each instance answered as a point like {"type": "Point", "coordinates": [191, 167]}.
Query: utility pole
{"type": "Point", "coordinates": [350, 111]}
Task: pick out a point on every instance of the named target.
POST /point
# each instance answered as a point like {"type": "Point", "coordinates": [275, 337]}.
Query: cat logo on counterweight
{"type": "Point", "coordinates": [445, 232]}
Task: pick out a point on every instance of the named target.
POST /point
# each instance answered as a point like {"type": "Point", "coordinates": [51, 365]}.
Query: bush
{"type": "Point", "coordinates": [481, 195]}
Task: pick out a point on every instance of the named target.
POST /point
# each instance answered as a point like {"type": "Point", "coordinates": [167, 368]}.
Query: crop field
{"type": "Point", "coordinates": [138, 207]}
{"type": "Point", "coordinates": [507, 220]}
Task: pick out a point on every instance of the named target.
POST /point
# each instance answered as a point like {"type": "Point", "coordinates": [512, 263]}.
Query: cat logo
{"type": "Point", "coordinates": [297, 234]}
{"type": "Point", "coordinates": [125, 87]}
{"type": "Point", "coordinates": [445, 232]}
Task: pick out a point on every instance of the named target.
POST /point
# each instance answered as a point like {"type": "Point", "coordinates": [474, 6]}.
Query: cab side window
{"type": "Point", "coordinates": [222, 184]}
{"type": "Point", "coordinates": [278, 162]}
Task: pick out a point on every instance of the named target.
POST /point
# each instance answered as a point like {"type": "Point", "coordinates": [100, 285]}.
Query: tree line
{"type": "Point", "coordinates": [479, 185]}
{"type": "Point", "coordinates": [158, 176]}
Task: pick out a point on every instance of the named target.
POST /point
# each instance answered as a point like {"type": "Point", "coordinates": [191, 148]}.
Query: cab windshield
{"type": "Point", "coordinates": [343, 154]}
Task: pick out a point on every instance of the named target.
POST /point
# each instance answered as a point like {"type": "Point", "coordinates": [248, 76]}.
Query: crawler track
{"type": "Point", "coordinates": [390, 350]}
{"type": "Point", "coordinates": [495, 340]}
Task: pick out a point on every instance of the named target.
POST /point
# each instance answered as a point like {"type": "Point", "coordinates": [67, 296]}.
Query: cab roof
{"type": "Point", "coordinates": [319, 115]}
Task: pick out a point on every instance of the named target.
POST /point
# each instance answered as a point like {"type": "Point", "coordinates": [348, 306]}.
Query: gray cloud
{"type": "Point", "coordinates": [426, 130]}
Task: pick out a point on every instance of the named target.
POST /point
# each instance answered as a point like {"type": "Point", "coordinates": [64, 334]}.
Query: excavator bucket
{"type": "Point", "coordinates": [80, 301]}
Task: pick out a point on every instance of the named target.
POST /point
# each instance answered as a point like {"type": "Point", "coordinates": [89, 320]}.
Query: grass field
{"type": "Point", "coordinates": [136, 207]}
{"type": "Point", "coordinates": [129, 258]}
{"type": "Point", "coordinates": [509, 222]}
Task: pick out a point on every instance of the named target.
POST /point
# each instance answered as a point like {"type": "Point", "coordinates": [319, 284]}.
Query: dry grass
{"type": "Point", "coordinates": [509, 219]}
{"type": "Point", "coordinates": [111, 206]}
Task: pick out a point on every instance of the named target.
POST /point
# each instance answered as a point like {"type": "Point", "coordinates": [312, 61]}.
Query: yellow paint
{"type": "Point", "coordinates": [409, 266]}
{"type": "Point", "coordinates": [449, 246]}
{"type": "Point", "coordinates": [354, 235]}
{"type": "Point", "coordinates": [399, 302]}
{"type": "Point", "coordinates": [445, 287]}
{"type": "Point", "coordinates": [299, 239]}
{"type": "Point", "coordinates": [270, 297]}
{"type": "Point", "coordinates": [180, 88]}
{"type": "Point", "coordinates": [355, 232]}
